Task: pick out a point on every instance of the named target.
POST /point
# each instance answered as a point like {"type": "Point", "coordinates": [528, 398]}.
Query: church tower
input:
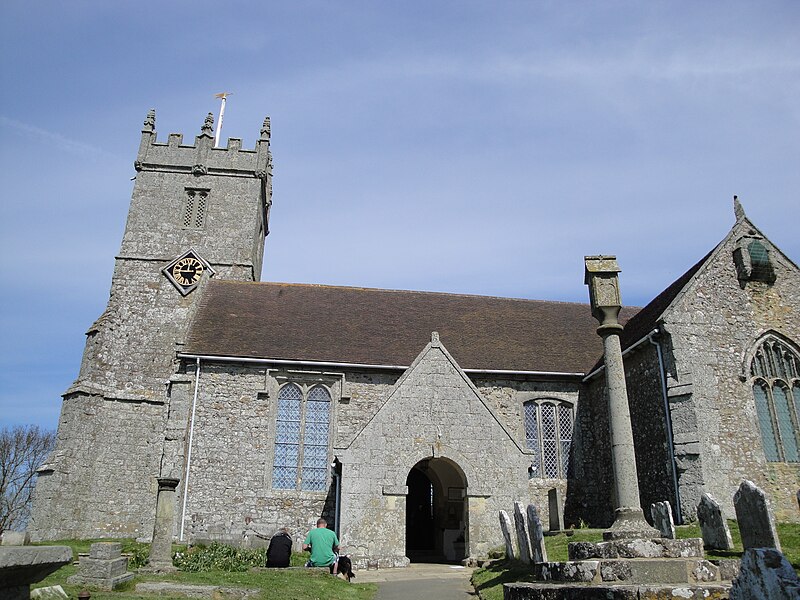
{"type": "Point", "coordinates": [196, 212]}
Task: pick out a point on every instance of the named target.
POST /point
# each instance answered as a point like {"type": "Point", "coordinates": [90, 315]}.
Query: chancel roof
{"type": "Point", "coordinates": [323, 323]}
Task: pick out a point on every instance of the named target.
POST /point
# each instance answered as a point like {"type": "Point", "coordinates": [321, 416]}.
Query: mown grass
{"type": "Point", "coordinates": [489, 580]}
{"type": "Point", "coordinates": [274, 584]}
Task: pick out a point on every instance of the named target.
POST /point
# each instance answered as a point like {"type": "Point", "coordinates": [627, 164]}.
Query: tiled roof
{"type": "Point", "coordinates": [389, 327]}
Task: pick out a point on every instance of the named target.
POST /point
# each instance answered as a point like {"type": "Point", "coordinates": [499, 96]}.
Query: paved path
{"type": "Point", "coordinates": [421, 582]}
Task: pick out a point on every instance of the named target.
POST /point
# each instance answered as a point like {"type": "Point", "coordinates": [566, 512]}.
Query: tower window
{"type": "Point", "coordinates": [194, 211]}
{"type": "Point", "coordinates": [301, 438]}
{"type": "Point", "coordinates": [548, 433]}
{"type": "Point", "coordinates": [776, 391]}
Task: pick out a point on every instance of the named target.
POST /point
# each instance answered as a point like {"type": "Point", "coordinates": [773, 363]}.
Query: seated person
{"type": "Point", "coordinates": [324, 546]}
{"type": "Point", "coordinates": [279, 551]}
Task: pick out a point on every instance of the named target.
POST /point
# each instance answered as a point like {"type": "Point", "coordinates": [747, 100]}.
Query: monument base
{"type": "Point", "coordinates": [629, 523]}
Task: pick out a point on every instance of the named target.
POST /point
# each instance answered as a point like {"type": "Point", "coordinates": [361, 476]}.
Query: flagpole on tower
{"type": "Point", "coordinates": [223, 96]}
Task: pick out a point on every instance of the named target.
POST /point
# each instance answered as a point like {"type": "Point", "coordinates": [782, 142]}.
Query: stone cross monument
{"type": "Point", "coordinates": [603, 281]}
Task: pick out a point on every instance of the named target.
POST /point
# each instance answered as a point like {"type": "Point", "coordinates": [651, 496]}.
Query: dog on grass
{"type": "Point", "coordinates": [345, 568]}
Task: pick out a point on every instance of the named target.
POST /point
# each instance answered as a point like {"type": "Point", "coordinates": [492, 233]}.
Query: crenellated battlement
{"type": "Point", "coordinates": [201, 158]}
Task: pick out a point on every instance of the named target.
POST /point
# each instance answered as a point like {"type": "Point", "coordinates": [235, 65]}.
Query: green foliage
{"type": "Point", "coordinates": [219, 557]}
{"type": "Point", "coordinates": [275, 584]}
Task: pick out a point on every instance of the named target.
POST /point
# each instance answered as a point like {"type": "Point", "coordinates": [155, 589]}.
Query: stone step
{"type": "Point", "coordinates": [637, 548]}
{"type": "Point", "coordinates": [586, 591]}
{"type": "Point", "coordinates": [636, 570]}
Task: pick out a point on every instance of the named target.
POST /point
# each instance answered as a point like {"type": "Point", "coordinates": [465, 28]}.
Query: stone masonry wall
{"type": "Point", "coordinates": [101, 480]}
{"type": "Point", "coordinates": [433, 412]}
{"type": "Point", "coordinates": [713, 326]}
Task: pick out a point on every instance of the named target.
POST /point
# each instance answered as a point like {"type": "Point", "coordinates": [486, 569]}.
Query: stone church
{"type": "Point", "coordinates": [408, 419]}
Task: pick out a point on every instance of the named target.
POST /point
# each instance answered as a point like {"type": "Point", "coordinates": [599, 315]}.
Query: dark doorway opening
{"type": "Point", "coordinates": [436, 512]}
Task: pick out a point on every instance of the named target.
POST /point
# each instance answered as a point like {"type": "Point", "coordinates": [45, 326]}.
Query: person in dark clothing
{"type": "Point", "coordinates": [280, 549]}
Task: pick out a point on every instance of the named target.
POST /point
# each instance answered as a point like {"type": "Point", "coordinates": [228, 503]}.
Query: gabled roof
{"type": "Point", "coordinates": [644, 321]}
{"type": "Point", "coordinates": [389, 327]}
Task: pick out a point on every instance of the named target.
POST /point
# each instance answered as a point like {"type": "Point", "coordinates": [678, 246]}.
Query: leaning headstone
{"type": "Point", "coordinates": [765, 575]}
{"type": "Point", "coordinates": [754, 513]}
{"type": "Point", "coordinates": [713, 525]}
{"type": "Point", "coordinates": [505, 526]}
{"type": "Point", "coordinates": [555, 508]}
{"type": "Point", "coordinates": [105, 567]}
{"type": "Point", "coordinates": [661, 512]}
{"type": "Point", "coordinates": [538, 551]}
{"type": "Point", "coordinates": [16, 538]}
{"type": "Point", "coordinates": [522, 534]}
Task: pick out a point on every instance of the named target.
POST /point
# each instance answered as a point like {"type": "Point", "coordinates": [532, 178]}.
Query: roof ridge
{"type": "Point", "coordinates": [397, 291]}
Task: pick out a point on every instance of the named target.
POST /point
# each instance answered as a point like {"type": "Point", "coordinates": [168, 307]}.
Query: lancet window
{"type": "Point", "coordinates": [775, 373]}
{"type": "Point", "coordinates": [301, 438]}
{"type": "Point", "coordinates": [548, 433]}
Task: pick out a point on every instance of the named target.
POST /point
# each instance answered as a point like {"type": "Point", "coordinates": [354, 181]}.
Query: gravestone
{"type": "Point", "coordinates": [16, 538]}
{"type": "Point", "coordinates": [105, 567]}
{"type": "Point", "coordinates": [538, 551]}
{"type": "Point", "coordinates": [754, 514]}
{"type": "Point", "coordinates": [523, 542]}
{"type": "Point", "coordinates": [160, 558]}
{"type": "Point", "coordinates": [505, 526]}
{"type": "Point", "coordinates": [661, 512]}
{"type": "Point", "coordinates": [713, 525]}
{"type": "Point", "coordinates": [765, 575]}
{"type": "Point", "coordinates": [555, 508]}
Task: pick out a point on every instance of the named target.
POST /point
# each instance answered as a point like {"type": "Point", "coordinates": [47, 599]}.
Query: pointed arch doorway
{"type": "Point", "coordinates": [436, 512]}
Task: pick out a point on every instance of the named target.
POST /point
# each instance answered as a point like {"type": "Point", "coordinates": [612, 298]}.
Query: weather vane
{"type": "Point", "coordinates": [223, 96]}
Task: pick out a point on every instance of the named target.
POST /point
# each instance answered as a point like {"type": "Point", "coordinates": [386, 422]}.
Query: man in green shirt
{"type": "Point", "coordinates": [324, 546]}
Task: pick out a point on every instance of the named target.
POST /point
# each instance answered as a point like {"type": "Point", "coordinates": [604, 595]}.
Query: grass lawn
{"type": "Point", "coordinates": [490, 579]}
{"type": "Point", "coordinates": [275, 584]}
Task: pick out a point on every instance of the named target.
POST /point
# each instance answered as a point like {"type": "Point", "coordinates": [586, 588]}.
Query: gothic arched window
{"type": "Point", "coordinates": [548, 433]}
{"type": "Point", "coordinates": [301, 438]}
{"type": "Point", "coordinates": [775, 373]}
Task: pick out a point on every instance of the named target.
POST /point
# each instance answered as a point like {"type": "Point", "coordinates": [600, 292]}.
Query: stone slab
{"type": "Point", "coordinates": [105, 550]}
{"type": "Point", "coordinates": [728, 568]}
{"type": "Point", "coordinates": [53, 592]}
{"type": "Point", "coordinates": [661, 513]}
{"type": "Point", "coordinates": [107, 583]}
{"type": "Point", "coordinates": [754, 514]}
{"type": "Point", "coordinates": [713, 526]}
{"type": "Point", "coordinates": [102, 568]}
{"type": "Point", "coordinates": [24, 565]}
{"type": "Point", "coordinates": [555, 509]}
{"type": "Point", "coordinates": [15, 538]}
{"type": "Point", "coordinates": [536, 531]}
{"type": "Point", "coordinates": [572, 571]}
{"type": "Point", "coordinates": [649, 548]}
{"type": "Point", "coordinates": [585, 591]}
{"type": "Point", "coordinates": [505, 526]}
{"type": "Point", "coordinates": [523, 542]}
{"type": "Point", "coordinates": [765, 575]}
{"type": "Point", "coordinates": [215, 592]}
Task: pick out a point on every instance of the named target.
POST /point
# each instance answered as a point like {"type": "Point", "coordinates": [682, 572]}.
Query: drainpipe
{"type": "Point", "coordinates": [668, 419]}
{"type": "Point", "coordinates": [337, 493]}
{"type": "Point", "coordinates": [189, 452]}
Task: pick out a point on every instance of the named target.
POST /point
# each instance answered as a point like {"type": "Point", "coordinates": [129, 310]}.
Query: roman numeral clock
{"type": "Point", "coordinates": [186, 271]}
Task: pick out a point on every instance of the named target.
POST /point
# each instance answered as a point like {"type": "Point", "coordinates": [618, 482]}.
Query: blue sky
{"type": "Point", "coordinates": [468, 147]}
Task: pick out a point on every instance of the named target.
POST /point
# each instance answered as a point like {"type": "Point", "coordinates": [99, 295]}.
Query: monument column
{"type": "Point", "coordinates": [602, 279]}
{"type": "Point", "coordinates": [161, 549]}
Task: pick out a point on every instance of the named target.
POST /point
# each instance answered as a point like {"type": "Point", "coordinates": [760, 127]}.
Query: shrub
{"type": "Point", "coordinates": [219, 557]}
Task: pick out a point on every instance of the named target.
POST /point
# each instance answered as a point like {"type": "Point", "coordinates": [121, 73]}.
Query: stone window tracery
{"type": "Point", "coordinates": [775, 373]}
{"type": "Point", "coordinates": [548, 433]}
{"type": "Point", "coordinates": [301, 438]}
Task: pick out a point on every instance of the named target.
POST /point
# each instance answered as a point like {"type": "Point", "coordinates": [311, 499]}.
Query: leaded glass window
{"type": "Point", "coordinates": [301, 438]}
{"type": "Point", "coordinates": [548, 434]}
{"type": "Point", "coordinates": [776, 391]}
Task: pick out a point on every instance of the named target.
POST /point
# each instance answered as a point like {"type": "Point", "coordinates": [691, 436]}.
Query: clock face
{"type": "Point", "coordinates": [187, 271]}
